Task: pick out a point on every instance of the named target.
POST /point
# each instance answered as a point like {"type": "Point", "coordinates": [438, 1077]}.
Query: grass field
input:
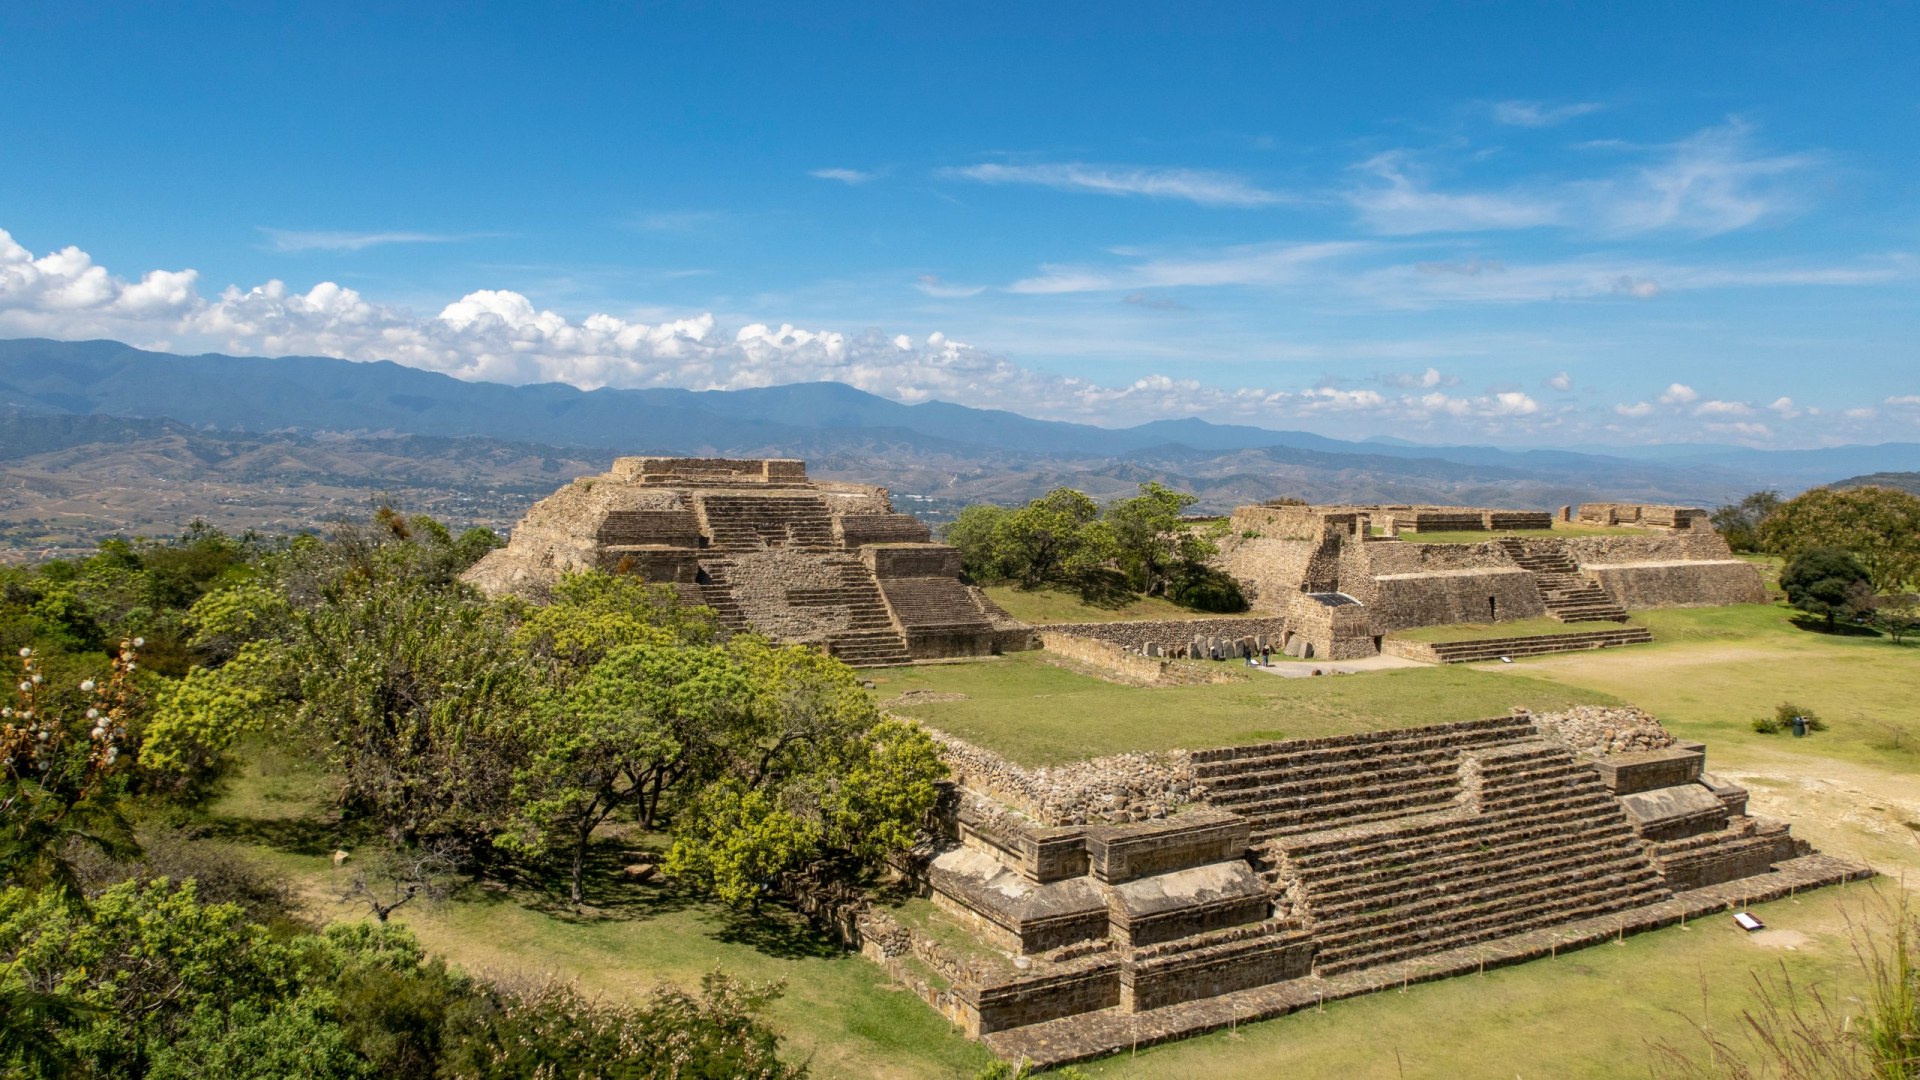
{"type": "Point", "coordinates": [1039, 714]}
{"type": "Point", "coordinates": [1042, 606]}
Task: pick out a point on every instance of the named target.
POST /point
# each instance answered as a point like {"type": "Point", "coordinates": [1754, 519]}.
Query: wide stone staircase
{"type": "Point", "coordinates": [934, 603]}
{"type": "Point", "coordinates": [757, 522]}
{"type": "Point", "coordinates": [1548, 844]}
{"type": "Point", "coordinates": [870, 638]}
{"type": "Point", "coordinates": [1474, 651]}
{"type": "Point", "coordinates": [1569, 595]}
{"type": "Point", "coordinates": [1308, 785]}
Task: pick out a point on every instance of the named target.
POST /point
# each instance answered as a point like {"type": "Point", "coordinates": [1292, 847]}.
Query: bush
{"type": "Point", "coordinates": [1782, 719]}
{"type": "Point", "coordinates": [1828, 583]}
{"type": "Point", "coordinates": [1766, 725]}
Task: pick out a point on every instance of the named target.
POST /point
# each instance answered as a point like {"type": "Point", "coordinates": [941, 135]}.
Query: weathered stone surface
{"type": "Point", "coordinates": [817, 563]}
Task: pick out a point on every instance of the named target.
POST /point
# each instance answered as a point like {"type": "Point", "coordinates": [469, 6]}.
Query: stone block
{"type": "Point", "coordinates": [1119, 853]}
{"type": "Point", "coordinates": [1625, 774]}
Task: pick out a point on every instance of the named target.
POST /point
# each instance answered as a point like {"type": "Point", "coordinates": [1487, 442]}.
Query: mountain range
{"type": "Point", "coordinates": [234, 422]}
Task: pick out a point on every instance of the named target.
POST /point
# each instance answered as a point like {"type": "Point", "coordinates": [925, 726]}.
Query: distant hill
{"type": "Point", "coordinates": [97, 436]}
{"type": "Point", "coordinates": [1904, 481]}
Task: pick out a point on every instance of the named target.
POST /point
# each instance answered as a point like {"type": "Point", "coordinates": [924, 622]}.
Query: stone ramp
{"type": "Point", "coordinates": [1569, 594]}
{"type": "Point", "coordinates": [1111, 1031]}
{"type": "Point", "coordinates": [1470, 652]}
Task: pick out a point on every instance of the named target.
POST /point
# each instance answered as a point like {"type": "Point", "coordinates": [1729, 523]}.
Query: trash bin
{"type": "Point", "coordinates": [1799, 727]}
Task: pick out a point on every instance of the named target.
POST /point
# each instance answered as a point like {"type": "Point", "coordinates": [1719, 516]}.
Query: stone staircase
{"type": "Point", "coordinates": [934, 603]}
{"type": "Point", "coordinates": [1547, 844]}
{"type": "Point", "coordinates": [717, 593]}
{"type": "Point", "coordinates": [1312, 785]}
{"type": "Point", "coordinates": [757, 522]}
{"type": "Point", "coordinates": [870, 638]}
{"type": "Point", "coordinates": [1569, 595]}
{"type": "Point", "coordinates": [1467, 652]}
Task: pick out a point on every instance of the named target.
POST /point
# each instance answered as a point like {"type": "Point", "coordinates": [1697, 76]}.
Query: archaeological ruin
{"type": "Point", "coordinates": [1344, 578]}
{"type": "Point", "coordinates": [1077, 911]}
{"type": "Point", "coordinates": [767, 549]}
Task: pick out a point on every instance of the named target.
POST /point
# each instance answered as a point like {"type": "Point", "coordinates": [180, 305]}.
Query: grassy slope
{"type": "Point", "coordinates": [839, 1010]}
{"type": "Point", "coordinates": [1039, 714]}
{"type": "Point", "coordinates": [1041, 606]}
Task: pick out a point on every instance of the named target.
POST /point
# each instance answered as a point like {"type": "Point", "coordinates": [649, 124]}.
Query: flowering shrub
{"type": "Point", "coordinates": [61, 773]}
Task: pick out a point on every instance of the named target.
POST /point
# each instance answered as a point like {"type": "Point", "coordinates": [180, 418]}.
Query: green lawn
{"type": "Point", "coordinates": [1487, 631]}
{"type": "Point", "coordinates": [1040, 714]}
{"type": "Point", "coordinates": [1710, 671]}
{"type": "Point", "coordinates": [1040, 606]}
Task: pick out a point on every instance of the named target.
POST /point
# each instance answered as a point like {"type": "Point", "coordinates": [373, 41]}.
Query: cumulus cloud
{"type": "Point", "coordinates": [1535, 114]}
{"type": "Point", "coordinates": [1723, 408]}
{"type": "Point", "coordinates": [1201, 186]}
{"type": "Point", "coordinates": [845, 176]}
{"type": "Point", "coordinates": [1425, 380]}
{"type": "Point", "coordinates": [1636, 409]}
{"type": "Point", "coordinates": [1679, 394]}
{"type": "Point", "coordinates": [1901, 399]}
{"type": "Point", "coordinates": [1784, 407]}
{"type": "Point", "coordinates": [1561, 381]}
{"type": "Point", "coordinates": [499, 335]}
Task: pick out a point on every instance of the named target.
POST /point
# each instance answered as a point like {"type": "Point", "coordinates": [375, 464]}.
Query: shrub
{"type": "Point", "coordinates": [1766, 725]}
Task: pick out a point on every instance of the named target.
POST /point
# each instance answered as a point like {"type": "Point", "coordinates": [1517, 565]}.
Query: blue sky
{"type": "Point", "coordinates": [1542, 224]}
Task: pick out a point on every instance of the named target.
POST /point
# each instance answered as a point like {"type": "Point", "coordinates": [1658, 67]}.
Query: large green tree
{"type": "Point", "coordinates": [1828, 583]}
{"type": "Point", "coordinates": [1879, 526]}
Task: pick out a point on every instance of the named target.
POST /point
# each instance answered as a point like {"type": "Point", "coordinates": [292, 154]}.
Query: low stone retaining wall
{"type": "Point", "coordinates": [1108, 790]}
{"type": "Point", "coordinates": [1169, 634]}
{"type": "Point", "coordinates": [1116, 664]}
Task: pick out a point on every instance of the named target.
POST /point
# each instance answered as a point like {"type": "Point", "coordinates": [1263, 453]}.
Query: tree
{"type": "Point", "coordinates": [1879, 526]}
{"type": "Point", "coordinates": [975, 533]}
{"type": "Point", "coordinates": [593, 613]}
{"type": "Point", "coordinates": [1897, 616]}
{"type": "Point", "coordinates": [1052, 539]}
{"type": "Point", "coordinates": [416, 693]}
{"type": "Point", "coordinates": [635, 725]}
{"type": "Point", "coordinates": [1150, 541]}
{"type": "Point", "coordinates": [1828, 583]}
{"type": "Point", "coordinates": [62, 774]}
{"type": "Point", "coordinates": [1739, 523]}
{"type": "Point", "coordinates": [807, 775]}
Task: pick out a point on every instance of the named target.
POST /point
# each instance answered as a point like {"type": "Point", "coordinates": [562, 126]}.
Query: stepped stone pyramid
{"type": "Point", "coordinates": [769, 550]}
{"type": "Point", "coordinates": [1134, 899]}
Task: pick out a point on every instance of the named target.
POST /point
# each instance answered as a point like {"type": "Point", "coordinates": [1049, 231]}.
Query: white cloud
{"type": "Point", "coordinates": [845, 176]}
{"type": "Point", "coordinates": [1714, 181]}
{"type": "Point", "coordinates": [1861, 414]}
{"type": "Point", "coordinates": [673, 220]}
{"type": "Point", "coordinates": [1403, 206]}
{"type": "Point", "coordinates": [1903, 399]}
{"type": "Point", "coordinates": [1200, 186]}
{"type": "Point", "coordinates": [1638, 408]}
{"type": "Point", "coordinates": [1723, 408]}
{"type": "Point", "coordinates": [1250, 264]}
{"type": "Point", "coordinates": [1425, 380]}
{"type": "Point", "coordinates": [931, 285]}
{"type": "Point", "coordinates": [1679, 394]}
{"type": "Point", "coordinates": [294, 240]}
{"type": "Point", "coordinates": [1562, 382]}
{"type": "Point", "coordinates": [1785, 408]}
{"type": "Point", "coordinates": [1534, 114]}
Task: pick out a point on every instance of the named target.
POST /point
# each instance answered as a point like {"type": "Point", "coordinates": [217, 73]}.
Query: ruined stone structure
{"type": "Point", "coordinates": [768, 549]}
{"type": "Point", "coordinates": [1343, 577]}
{"type": "Point", "coordinates": [1146, 897]}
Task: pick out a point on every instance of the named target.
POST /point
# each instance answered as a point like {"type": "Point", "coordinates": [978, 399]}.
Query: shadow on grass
{"type": "Point", "coordinates": [292, 836]}
{"type": "Point", "coordinates": [779, 932]}
{"type": "Point", "coordinates": [1839, 629]}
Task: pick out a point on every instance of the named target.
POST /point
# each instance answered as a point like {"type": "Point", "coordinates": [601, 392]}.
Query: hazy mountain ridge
{"type": "Point", "coordinates": [98, 437]}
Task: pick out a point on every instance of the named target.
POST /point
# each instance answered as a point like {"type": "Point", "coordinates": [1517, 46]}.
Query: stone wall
{"type": "Point", "coordinates": [1405, 601]}
{"type": "Point", "coordinates": [1169, 634]}
{"type": "Point", "coordinates": [1108, 790]}
{"type": "Point", "coordinates": [1116, 664]}
{"type": "Point", "coordinates": [1680, 584]}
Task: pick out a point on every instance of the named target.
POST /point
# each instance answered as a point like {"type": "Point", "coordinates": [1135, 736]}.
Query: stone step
{"type": "Point", "coordinates": [1497, 925]}
{"type": "Point", "coordinates": [1245, 787]}
{"type": "Point", "coordinates": [1339, 876]}
{"type": "Point", "coordinates": [1368, 747]}
{"type": "Point", "coordinates": [1499, 863]}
